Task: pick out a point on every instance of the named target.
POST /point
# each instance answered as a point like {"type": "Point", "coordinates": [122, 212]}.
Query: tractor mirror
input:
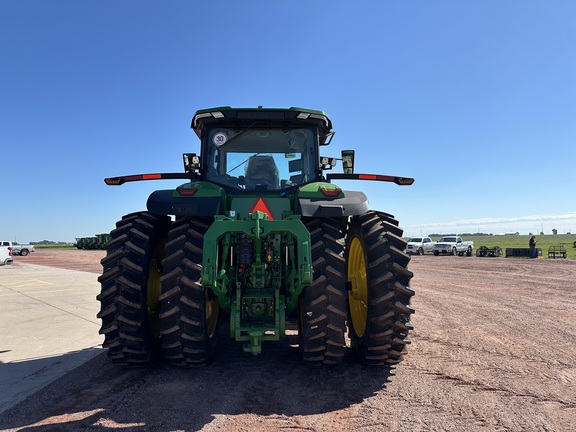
{"type": "Point", "coordinates": [328, 163]}
{"type": "Point", "coordinates": [348, 161]}
{"type": "Point", "coordinates": [191, 162]}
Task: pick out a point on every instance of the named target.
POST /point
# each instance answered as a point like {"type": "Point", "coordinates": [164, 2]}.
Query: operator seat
{"type": "Point", "coordinates": [262, 170]}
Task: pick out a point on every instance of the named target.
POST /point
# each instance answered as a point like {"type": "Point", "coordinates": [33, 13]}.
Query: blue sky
{"type": "Point", "coordinates": [474, 99]}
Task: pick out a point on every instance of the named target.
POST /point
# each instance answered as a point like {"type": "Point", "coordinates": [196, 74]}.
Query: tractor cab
{"type": "Point", "coordinates": [260, 159]}
{"type": "Point", "coordinates": [261, 150]}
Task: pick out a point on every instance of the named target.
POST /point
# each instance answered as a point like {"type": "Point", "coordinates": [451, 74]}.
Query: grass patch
{"type": "Point", "coordinates": [54, 246]}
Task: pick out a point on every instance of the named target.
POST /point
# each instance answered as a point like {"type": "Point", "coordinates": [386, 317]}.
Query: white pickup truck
{"type": "Point", "coordinates": [5, 255]}
{"type": "Point", "coordinates": [453, 245]}
{"type": "Point", "coordinates": [419, 245]}
{"type": "Point", "coordinates": [18, 249]}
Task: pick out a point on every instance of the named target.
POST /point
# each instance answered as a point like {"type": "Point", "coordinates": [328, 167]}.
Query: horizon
{"type": "Point", "coordinates": [418, 231]}
{"type": "Point", "coordinates": [524, 225]}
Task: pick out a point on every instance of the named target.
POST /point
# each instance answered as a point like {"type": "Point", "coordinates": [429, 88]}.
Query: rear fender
{"type": "Point", "coordinates": [353, 203]}
{"type": "Point", "coordinates": [190, 199]}
{"type": "Point", "coordinates": [328, 200]}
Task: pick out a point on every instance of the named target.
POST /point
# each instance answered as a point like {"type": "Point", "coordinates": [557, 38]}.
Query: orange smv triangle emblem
{"type": "Point", "coordinates": [261, 206]}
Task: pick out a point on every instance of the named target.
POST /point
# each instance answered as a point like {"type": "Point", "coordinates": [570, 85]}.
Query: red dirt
{"type": "Point", "coordinates": [71, 259]}
{"type": "Point", "coordinates": [494, 349]}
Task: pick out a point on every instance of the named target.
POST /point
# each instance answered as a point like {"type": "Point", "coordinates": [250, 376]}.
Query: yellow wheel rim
{"type": "Point", "coordinates": [358, 294]}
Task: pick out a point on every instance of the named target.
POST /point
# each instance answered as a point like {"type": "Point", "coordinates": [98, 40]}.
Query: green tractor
{"type": "Point", "coordinates": [259, 235]}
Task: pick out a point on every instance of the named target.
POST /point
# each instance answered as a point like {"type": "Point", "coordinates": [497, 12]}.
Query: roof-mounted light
{"type": "Point", "coordinates": [303, 116]}
{"type": "Point", "coordinates": [213, 114]}
{"type": "Point", "coordinates": [203, 115]}
{"type": "Point", "coordinates": [321, 117]}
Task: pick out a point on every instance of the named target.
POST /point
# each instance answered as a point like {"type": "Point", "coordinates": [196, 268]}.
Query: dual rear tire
{"type": "Point", "coordinates": [368, 277]}
{"type": "Point", "coordinates": [378, 289]}
{"type": "Point", "coordinates": [190, 313]}
{"type": "Point", "coordinates": [322, 305]}
{"type": "Point", "coordinates": [153, 302]}
{"type": "Point", "coordinates": [131, 288]}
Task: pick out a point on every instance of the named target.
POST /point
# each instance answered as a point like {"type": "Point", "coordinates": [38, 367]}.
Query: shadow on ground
{"type": "Point", "coordinates": [98, 395]}
{"type": "Point", "coordinates": [18, 379]}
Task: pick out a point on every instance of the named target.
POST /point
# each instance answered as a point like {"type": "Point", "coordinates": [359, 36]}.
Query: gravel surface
{"type": "Point", "coordinates": [494, 349]}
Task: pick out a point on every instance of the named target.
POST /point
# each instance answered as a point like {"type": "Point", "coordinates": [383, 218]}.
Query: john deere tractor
{"type": "Point", "coordinates": [258, 234]}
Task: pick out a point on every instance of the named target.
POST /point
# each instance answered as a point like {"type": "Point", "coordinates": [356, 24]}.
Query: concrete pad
{"type": "Point", "coordinates": [48, 327]}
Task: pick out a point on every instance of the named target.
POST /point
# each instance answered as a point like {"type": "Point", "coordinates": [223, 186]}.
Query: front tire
{"type": "Point", "coordinates": [379, 293]}
{"type": "Point", "coordinates": [131, 288]}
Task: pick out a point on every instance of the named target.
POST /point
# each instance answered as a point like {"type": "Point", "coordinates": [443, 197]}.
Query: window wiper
{"type": "Point", "coordinates": [241, 163]}
{"type": "Point", "coordinates": [239, 134]}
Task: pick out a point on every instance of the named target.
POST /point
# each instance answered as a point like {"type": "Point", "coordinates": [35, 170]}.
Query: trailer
{"type": "Point", "coordinates": [485, 251]}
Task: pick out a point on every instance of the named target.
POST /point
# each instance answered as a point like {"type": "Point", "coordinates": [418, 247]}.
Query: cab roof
{"type": "Point", "coordinates": [245, 117]}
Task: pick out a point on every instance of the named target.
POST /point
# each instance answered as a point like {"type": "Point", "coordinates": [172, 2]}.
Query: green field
{"type": "Point", "coordinates": [504, 241]}
{"type": "Point", "coordinates": [54, 246]}
{"type": "Point", "coordinates": [521, 241]}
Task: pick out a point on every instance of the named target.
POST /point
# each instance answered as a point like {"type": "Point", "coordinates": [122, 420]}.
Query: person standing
{"type": "Point", "coordinates": [533, 253]}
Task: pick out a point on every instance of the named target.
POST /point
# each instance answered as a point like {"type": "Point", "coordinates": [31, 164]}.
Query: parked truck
{"type": "Point", "coordinates": [453, 245]}
{"type": "Point", "coordinates": [420, 245]}
{"type": "Point", "coordinates": [5, 255]}
{"type": "Point", "coordinates": [259, 235]}
{"type": "Point", "coordinates": [18, 249]}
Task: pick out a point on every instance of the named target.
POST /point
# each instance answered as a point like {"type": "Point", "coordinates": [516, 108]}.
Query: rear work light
{"type": "Point", "coordinates": [404, 181]}
{"type": "Point", "coordinates": [187, 191]}
{"type": "Point", "coordinates": [331, 193]}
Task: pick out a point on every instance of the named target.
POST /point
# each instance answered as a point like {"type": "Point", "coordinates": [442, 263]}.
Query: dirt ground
{"type": "Point", "coordinates": [494, 349]}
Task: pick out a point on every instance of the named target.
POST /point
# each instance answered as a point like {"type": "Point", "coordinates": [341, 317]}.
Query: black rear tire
{"type": "Point", "coordinates": [190, 313]}
{"type": "Point", "coordinates": [323, 303]}
{"type": "Point", "coordinates": [379, 293]}
{"type": "Point", "coordinates": [131, 288]}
